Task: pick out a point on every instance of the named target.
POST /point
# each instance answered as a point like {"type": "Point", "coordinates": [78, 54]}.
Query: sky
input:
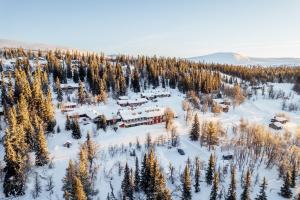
{"type": "Point", "coordinates": [261, 28]}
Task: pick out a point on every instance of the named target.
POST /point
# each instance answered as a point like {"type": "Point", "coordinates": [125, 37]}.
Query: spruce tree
{"type": "Point", "coordinates": [215, 187]}
{"type": "Point", "coordinates": [212, 138]}
{"type": "Point", "coordinates": [78, 192]}
{"type": "Point", "coordinates": [262, 193]}
{"type": "Point", "coordinates": [83, 170]}
{"type": "Point", "coordinates": [186, 184]}
{"type": "Point", "coordinates": [58, 89]}
{"type": "Point", "coordinates": [210, 170]}
{"type": "Point", "coordinates": [126, 186]}
{"type": "Point", "coordinates": [81, 93]}
{"type": "Point", "coordinates": [231, 195]}
{"type": "Point", "coordinates": [197, 175]}
{"type": "Point", "coordinates": [42, 155]}
{"type": "Point", "coordinates": [76, 132]}
{"type": "Point", "coordinates": [144, 174]}
{"type": "Point", "coordinates": [285, 190]}
{"type": "Point", "coordinates": [246, 186]}
{"type": "Point", "coordinates": [68, 180]}
{"type": "Point", "coordinates": [195, 131]}
{"type": "Point", "coordinates": [137, 175]}
{"type": "Point", "coordinates": [68, 123]}
{"type": "Point", "coordinates": [293, 176]}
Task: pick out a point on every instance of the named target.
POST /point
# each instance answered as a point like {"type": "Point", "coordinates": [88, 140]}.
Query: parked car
{"type": "Point", "coordinates": [181, 152]}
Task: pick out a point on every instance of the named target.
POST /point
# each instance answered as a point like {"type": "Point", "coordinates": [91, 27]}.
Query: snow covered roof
{"type": "Point", "coordinates": [133, 101]}
{"type": "Point", "coordinates": [280, 119]}
{"type": "Point", "coordinates": [69, 104]}
{"type": "Point", "coordinates": [154, 93]}
{"type": "Point", "coordinates": [123, 97]}
{"type": "Point", "coordinates": [147, 112]}
{"type": "Point", "coordinates": [277, 124]}
{"type": "Point", "coordinates": [70, 85]}
{"type": "Point", "coordinates": [90, 113]}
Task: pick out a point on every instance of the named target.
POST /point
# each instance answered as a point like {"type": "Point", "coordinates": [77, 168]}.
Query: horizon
{"type": "Point", "coordinates": [267, 28]}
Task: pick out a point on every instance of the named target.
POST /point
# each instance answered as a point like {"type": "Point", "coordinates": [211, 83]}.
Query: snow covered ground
{"type": "Point", "coordinates": [256, 109]}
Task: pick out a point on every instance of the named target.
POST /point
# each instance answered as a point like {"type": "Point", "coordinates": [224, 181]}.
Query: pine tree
{"type": "Point", "coordinates": [212, 138]}
{"type": "Point", "coordinates": [144, 174]}
{"type": "Point", "coordinates": [37, 187]}
{"type": "Point", "coordinates": [262, 193]}
{"type": "Point", "coordinates": [15, 157]}
{"type": "Point", "coordinates": [210, 170]}
{"type": "Point", "coordinates": [285, 190]}
{"type": "Point", "coordinates": [246, 186]}
{"type": "Point", "coordinates": [135, 81]}
{"type": "Point", "coordinates": [58, 89]}
{"type": "Point", "coordinates": [83, 170]}
{"type": "Point", "coordinates": [68, 123]}
{"type": "Point", "coordinates": [75, 76]}
{"type": "Point", "coordinates": [78, 193]}
{"type": "Point", "coordinates": [231, 195]}
{"type": "Point", "coordinates": [197, 175]}
{"type": "Point", "coordinates": [186, 184]}
{"type": "Point", "coordinates": [137, 176]}
{"type": "Point", "coordinates": [42, 155]}
{"type": "Point", "coordinates": [126, 184]}
{"type": "Point", "coordinates": [215, 187]}
{"type": "Point", "coordinates": [81, 93]}
{"type": "Point", "coordinates": [293, 176]}
{"type": "Point", "coordinates": [68, 180]}
{"type": "Point", "coordinates": [195, 131]}
{"type": "Point", "coordinates": [76, 132]}
{"type": "Point", "coordinates": [102, 96]}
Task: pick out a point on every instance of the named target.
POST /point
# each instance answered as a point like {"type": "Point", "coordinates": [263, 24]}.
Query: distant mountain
{"type": "Point", "coordinates": [238, 59]}
{"type": "Point", "coordinates": [27, 45]}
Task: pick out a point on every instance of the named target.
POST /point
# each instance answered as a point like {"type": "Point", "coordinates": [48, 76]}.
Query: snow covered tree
{"type": "Point", "coordinates": [212, 137]}
{"type": "Point", "coordinates": [262, 193]}
{"type": "Point", "coordinates": [58, 89]}
{"type": "Point", "coordinates": [78, 193]}
{"type": "Point", "coordinates": [195, 131]}
{"type": "Point", "coordinates": [81, 93]}
{"type": "Point", "coordinates": [76, 132]}
{"type": "Point", "coordinates": [68, 180]}
{"type": "Point", "coordinates": [127, 188]}
{"type": "Point", "coordinates": [246, 186]}
{"type": "Point", "coordinates": [135, 81]}
{"type": "Point", "coordinates": [285, 190]}
{"type": "Point", "coordinates": [215, 187]}
{"type": "Point", "coordinates": [197, 175]}
{"type": "Point", "coordinates": [68, 123]}
{"type": "Point", "coordinates": [102, 96]}
{"type": "Point", "coordinates": [186, 184]}
{"type": "Point", "coordinates": [231, 195]}
{"type": "Point", "coordinates": [210, 170]}
{"type": "Point", "coordinates": [37, 189]}
{"type": "Point", "coordinates": [137, 175]}
{"type": "Point", "coordinates": [42, 155]}
{"type": "Point", "coordinates": [293, 176]}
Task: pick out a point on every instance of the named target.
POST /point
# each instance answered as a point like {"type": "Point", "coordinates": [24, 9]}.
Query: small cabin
{"type": "Point", "coordinates": [281, 120]}
{"type": "Point", "coordinates": [275, 125]}
{"type": "Point", "coordinates": [67, 144]}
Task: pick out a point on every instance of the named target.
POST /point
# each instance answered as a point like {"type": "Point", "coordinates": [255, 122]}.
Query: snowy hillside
{"type": "Point", "coordinates": [238, 59]}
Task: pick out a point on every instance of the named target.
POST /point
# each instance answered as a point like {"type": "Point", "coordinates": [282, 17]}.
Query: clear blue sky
{"type": "Point", "coordinates": [163, 27]}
